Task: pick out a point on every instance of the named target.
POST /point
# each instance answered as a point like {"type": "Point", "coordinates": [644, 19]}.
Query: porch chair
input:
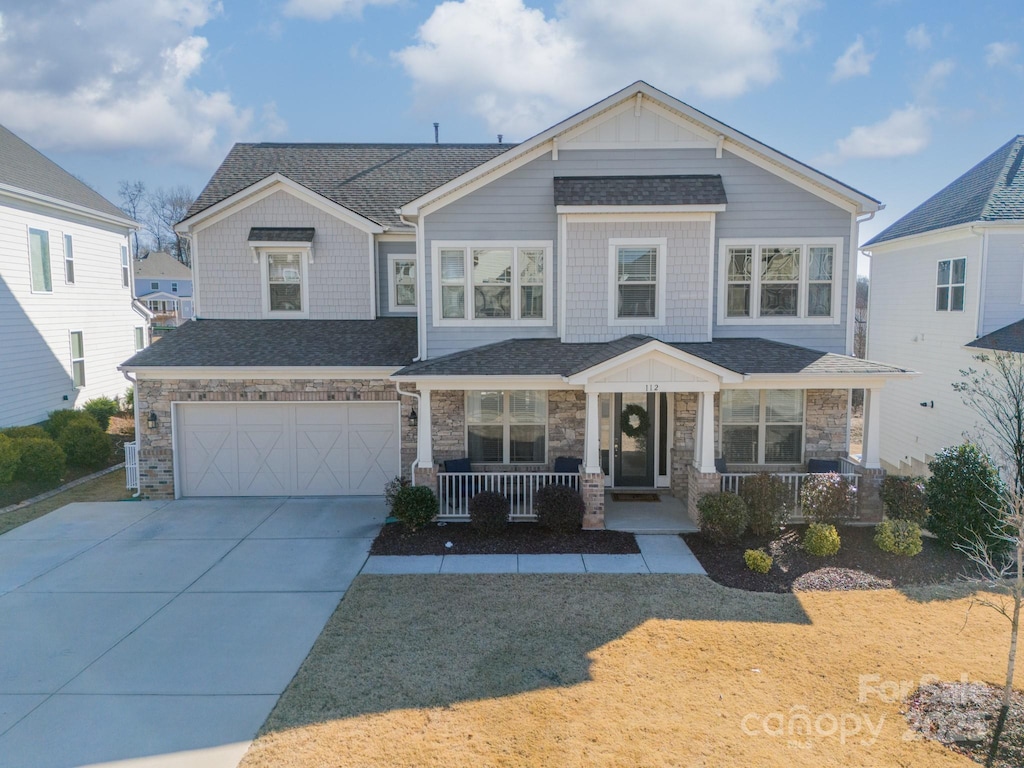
{"type": "Point", "coordinates": [567, 464]}
{"type": "Point", "coordinates": [821, 466]}
{"type": "Point", "coordinates": [461, 490]}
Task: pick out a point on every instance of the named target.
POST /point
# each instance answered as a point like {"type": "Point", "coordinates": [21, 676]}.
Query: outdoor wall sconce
{"type": "Point", "coordinates": [152, 421]}
{"type": "Point", "coordinates": [413, 419]}
{"type": "Point", "coordinates": [928, 404]}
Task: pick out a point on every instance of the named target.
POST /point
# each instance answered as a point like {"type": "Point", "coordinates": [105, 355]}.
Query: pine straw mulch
{"type": "Point", "coordinates": [517, 539]}
{"type": "Point", "coordinates": [962, 715]}
{"type": "Point", "coordinates": [859, 564]}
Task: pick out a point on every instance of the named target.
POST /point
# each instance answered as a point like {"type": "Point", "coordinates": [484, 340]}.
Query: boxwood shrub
{"type": "Point", "coordinates": [488, 513]}
{"type": "Point", "coordinates": [85, 445]}
{"type": "Point", "coordinates": [42, 461]}
{"type": "Point", "coordinates": [33, 430]}
{"type": "Point", "coordinates": [904, 498]}
{"type": "Point", "coordinates": [723, 517]}
{"type": "Point", "coordinates": [559, 508]}
{"type": "Point", "coordinates": [101, 409]}
{"type": "Point", "coordinates": [827, 497]}
{"type": "Point", "coordinates": [57, 421]}
{"type": "Point", "coordinates": [758, 560]}
{"type": "Point", "coordinates": [821, 539]}
{"type": "Point", "coordinates": [899, 537]}
{"type": "Point", "coordinates": [10, 457]}
{"type": "Point", "coordinates": [415, 506]}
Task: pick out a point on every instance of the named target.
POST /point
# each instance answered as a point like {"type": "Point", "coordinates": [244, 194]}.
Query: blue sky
{"type": "Point", "coordinates": [894, 97]}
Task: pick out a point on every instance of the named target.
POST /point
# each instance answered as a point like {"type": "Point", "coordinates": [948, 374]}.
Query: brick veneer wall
{"type": "Point", "coordinates": [156, 470]}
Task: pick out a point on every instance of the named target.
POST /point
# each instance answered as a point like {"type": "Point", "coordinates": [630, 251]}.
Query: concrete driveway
{"type": "Point", "coordinates": [162, 633]}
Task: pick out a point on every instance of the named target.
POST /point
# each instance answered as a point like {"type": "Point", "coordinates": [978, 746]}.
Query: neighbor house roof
{"type": "Point", "coordinates": [1009, 338]}
{"type": "Point", "coordinates": [369, 179]}
{"type": "Point", "coordinates": [639, 190]}
{"type": "Point", "coordinates": [389, 341]}
{"type": "Point", "coordinates": [550, 357]}
{"type": "Point", "coordinates": [160, 265]}
{"type": "Point", "coordinates": [24, 168]}
{"type": "Point", "coordinates": [993, 190]}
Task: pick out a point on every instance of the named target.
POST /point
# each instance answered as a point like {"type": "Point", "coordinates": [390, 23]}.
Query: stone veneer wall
{"type": "Point", "coordinates": [825, 430]}
{"type": "Point", "coordinates": [156, 467]}
{"type": "Point", "coordinates": [684, 427]}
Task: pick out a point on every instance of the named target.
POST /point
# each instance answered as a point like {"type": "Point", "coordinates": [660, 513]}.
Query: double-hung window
{"type": "Point", "coordinates": [637, 281]}
{"type": "Point", "coordinates": [779, 280]}
{"type": "Point", "coordinates": [401, 283]}
{"type": "Point", "coordinates": [174, 287]}
{"type": "Point", "coordinates": [762, 426]}
{"type": "Point", "coordinates": [140, 338]}
{"type": "Point", "coordinates": [154, 286]}
{"type": "Point", "coordinates": [949, 285]}
{"type": "Point", "coordinates": [126, 269]}
{"type": "Point", "coordinates": [285, 284]}
{"type": "Point", "coordinates": [506, 427]}
{"type": "Point", "coordinates": [69, 260]}
{"type": "Point", "coordinates": [39, 252]}
{"type": "Point", "coordinates": [493, 283]}
{"type": "Point", "coordinates": [77, 359]}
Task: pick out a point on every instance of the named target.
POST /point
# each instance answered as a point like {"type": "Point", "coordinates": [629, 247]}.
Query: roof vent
{"type": "Point", "coordinates": [436, 126]}
{"type": "Point", "coordinates": [500, 137]}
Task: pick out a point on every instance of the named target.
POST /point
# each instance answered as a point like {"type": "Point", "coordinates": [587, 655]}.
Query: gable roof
{"type": "Point", "coordinates": [694, 189]}
{"type": "Point", "coordinates": [993, 190]}
{"type": "Point", "coordinates": [370, 179]}
{"type": "Point", "coordinates": [1009, 338]}
{"type": "Point", "coordinates": [26, 169]}
{"type": "Point", "coordinates": [159, 264]}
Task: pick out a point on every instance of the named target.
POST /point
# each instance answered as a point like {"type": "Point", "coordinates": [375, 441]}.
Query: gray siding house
{"type": "Point", "coordinates": [637, 297]}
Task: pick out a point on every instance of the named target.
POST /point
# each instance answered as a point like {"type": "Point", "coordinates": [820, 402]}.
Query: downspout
{"type": "Point", "coordinates": [980, 321]}
{"type": "Point", "coordinates": [135, 407]}
{"type": "Point", "coordinates": [415, 462]}
{"type": "Point", "coordinates": [421, 305]}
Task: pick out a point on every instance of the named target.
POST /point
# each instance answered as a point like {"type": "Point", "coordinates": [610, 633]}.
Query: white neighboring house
{"type": "Point", "coordinates": [66, 305]}
{"type": "Point", "coordinates": [947, 282]}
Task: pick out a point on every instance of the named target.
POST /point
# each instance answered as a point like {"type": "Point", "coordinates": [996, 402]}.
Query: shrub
{"type": "Point", "coordinates": [963, 497]}
{"type": "Point", "coordinates": [129, 399]}
{"type": "Point", "coordinates": [900, 537]}
{"type": "Point", "coordinates": [42, 460]}
{"type": "Point", "coordinates": [827, 497]}
{"type": "Point", "coordinates": [10, 456]}
{"type": "Point", "coordinates": [766, 497]}
{"type": "Point", "coordinates": [57, 421]}
{"type": "Point", "coordinates": [391, 489]}
{"type": "Point", "coordinates": [85, 445]}
{"type": "Point", "coordinates": [414, 506]}
{"type": "Point", "coordinates": [101, 409]}
{"type": "Point", "coordinates": [758, 560]}
{"type": "Point", "coordinates": [488, 513]}
{"type": "Point", "coordinates": [821, 539]}
{"type": "Point", "coordinates": [16, 433]}
{"type": "Point", "coordinates": [904, 498]}
{"type": "Point", "coordinates": [723, 517]}
{"type": "Point", "coordinates": [559, 508]}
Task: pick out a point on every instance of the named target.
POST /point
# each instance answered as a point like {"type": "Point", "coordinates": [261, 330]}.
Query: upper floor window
{"type": "Point", "coordinates": [637, 281]}
{"type": "Point", "coordinates": [39, 251]}
{"type": "Point", "coordinates": [174, 287]}
{"type": "Point", "coordinates": [69, 260]}
{"type": "Point", "coordinates": [492, 283]}
{"type": "Point", "coordinates": [401, 283]}
{"type": "Point", "coordinates": [285, 289]}
{"type": "Point", "coordinates": [778, 281]}
{"type": "Point", "coordinates": [762, 426]}
{"type": "Point", "coordinates": [154, 286]}
{"type": "Point", "coordinates": [949, 285]}
{"type": "Point", "coordinates": [140, 338]}
{"type": "Point", "coordinates": [77, 359]}
{"type": "Point", "coordinates": [507, 427]}
{"type": "Point", "coordinates": [126, 269]}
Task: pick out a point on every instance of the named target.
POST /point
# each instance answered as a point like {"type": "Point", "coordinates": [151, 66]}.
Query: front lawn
{"type": "Point", "coordinates": [109, 487]}
{"type": "Point", "coordinates": [613, 670]}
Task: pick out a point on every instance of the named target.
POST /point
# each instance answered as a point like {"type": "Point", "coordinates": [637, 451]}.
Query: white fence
{"type": "Point", "coordinates": [455, 489]}
{"type": "Point", "coordinates": [733, 482]}
{"type": "Point", "coordinates": [131, 465]}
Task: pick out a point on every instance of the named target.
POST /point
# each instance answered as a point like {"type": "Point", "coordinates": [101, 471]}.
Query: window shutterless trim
{"type": "Point", "coordinates": [69, 260]}
{"type": "Point", "coordinates": [45, 265]}
{"type": "Point", "coordinates": [762, 424]}
{"type": "Point", "coordinates": [126, 268]}
{"type": "Point", "coordinates": [614, 244]}
{"type": "Point", "coordinates": [506, 425]}
{"type": "Point", "coordinates": [79, 360]}
{"type": "Point", "coordinates": [263, 255]}
{"type": "Point", "coordinates": [393, 305]}
{"type": "Point", "coordinates": [950, 285]}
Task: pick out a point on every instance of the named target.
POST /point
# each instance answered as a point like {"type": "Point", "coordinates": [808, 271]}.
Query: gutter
{"type": "Point", "coordinates": [415, 462]}
{"type": "Point", "coordinates": [138, 433]}
{"type": "Point", "coordinates": [421, 304]}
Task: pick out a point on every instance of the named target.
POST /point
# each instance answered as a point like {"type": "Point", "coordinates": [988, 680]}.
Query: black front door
{"type": "Point", "coordinates": [633, 430]}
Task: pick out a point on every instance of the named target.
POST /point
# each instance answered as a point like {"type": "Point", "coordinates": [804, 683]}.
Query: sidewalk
{"type": "Point", "coordinates": [658, 554]}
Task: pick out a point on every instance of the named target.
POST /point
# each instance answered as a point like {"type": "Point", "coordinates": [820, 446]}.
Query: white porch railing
{"type": "Point", "coordinates": [456, 488]}
{"type": "Point", "coordinates": [131, 465]}
{"type": "Point", "coordinates": [733, 482]}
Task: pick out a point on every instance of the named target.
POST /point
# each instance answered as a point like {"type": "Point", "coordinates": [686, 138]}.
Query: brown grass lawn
{"type": "Point", "coordinates": [110, 487]}
{"type": "Point", "coordinates": [620, 671]}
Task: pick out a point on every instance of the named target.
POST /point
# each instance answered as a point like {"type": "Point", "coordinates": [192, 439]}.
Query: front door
{"type": "Point", "coordinates": [633, 430]}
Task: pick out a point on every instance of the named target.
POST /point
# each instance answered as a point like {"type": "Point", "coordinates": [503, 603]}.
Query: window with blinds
{"type": "Point", "coordinates": [506, 427]}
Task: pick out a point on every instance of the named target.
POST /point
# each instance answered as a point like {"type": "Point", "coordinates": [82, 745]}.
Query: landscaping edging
{"type": "Point", "coordinates": [61, 489]}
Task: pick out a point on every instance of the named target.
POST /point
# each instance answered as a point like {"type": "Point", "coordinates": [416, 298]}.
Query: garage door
{"type": "Point", "coordinates": [271, 449]}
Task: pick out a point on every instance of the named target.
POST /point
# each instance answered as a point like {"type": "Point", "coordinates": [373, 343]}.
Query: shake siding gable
{"type": "Point", "coordinates": [384, 249]}
{"type": "Point", "coordinates": [340, 279]}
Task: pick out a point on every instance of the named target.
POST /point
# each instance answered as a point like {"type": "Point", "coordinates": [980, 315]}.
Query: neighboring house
{"type": "Point", "coordinates": [947, 282]}
{"type": "Point", "coordinates": [65, 288]}
{"type": "Point", "coordinates": [639, 287]}
{"type": "Point", "coordinates": [164, 285]}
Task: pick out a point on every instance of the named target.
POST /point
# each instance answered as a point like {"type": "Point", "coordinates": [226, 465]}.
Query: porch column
{"type": "Point", "coordinates": [870, 459]}
{"type": "Point", "coordinates": [592, 436]}
{"type": "Point", "coordinates": [424, 446]}
{"type": "Point", "coordinates": [704, 456]}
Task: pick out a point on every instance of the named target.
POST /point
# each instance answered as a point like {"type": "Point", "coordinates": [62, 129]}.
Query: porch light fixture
{"type": "Point", "coordinates": [413, 419]}
{"type": "Point", "coordinates": [928, 404]}
{"type": "Point", "coordinates": [152, 421]}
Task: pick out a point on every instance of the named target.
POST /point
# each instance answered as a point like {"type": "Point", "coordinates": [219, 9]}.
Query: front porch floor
{"type": "Point", "coordinates": [667, 515]}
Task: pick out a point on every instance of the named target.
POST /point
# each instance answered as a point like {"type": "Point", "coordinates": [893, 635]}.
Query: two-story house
{"type": "Point", "coordinates": [164, 284]}
{"type": "Point", "coordinates": [640, 288]}
{"type": "Point", "coordinates": [66, 304]}
{"type": "Point", "coordinates": [947, 283]}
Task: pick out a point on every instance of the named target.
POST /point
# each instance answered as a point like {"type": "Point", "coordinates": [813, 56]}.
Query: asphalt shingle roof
{"type": "Point", "coordinates": [1009, 338]}
{"type": "Point", "coordinates": [550, 357]}
{"type": "Point", "coordinates": [993, 190]}
{"type": "Point", "coordinates": [281, 234]}
{"type": "Point", "coordinates": [24, 167]}
{"type": "Point", "coordinates": [704, 189]}
{"type": "Point", "coordinates": [159, 264]}
{"type": "Point", "coordinates": [389, 341]}
{"type": "Point", "coordinates": [370, 179]}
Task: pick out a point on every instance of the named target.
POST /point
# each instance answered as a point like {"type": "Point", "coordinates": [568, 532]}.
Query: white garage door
{"type": "Point", "coordinates": [278, 449]}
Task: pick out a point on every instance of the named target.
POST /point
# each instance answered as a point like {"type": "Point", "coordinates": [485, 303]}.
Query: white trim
{"type": "Point", "coordinates": [616, 216]}
{"type": "Point", "coordinates": [306, 245]}
{"type": "Point", "coordinates": [397, 237]}
{"type": "Point", "coordinates": [950, 285]}
{"type": "Point", "coordinates": [167, 372]}
{"type": "Point", "coordinates": [712, 250]}
{"type": "Point", "coordinates": [304, 260]}
{"type": "Point", "coordinates": [68, 239]}
{"type": "Point", "coordinates": [851, 286]}
{"type": "Point", "coordinates": [724, 374]}
{"type": "Point", "coordinates": [194, 239]}
{"type": "Point", "coordinates": [506, 426]}
{"type": "Point", "coordinates": [833, 381]}
{"type": "Point", "coordinates": [486, 382]}
{"type": "Point", "coordinates": [648, 209]}
{"type": "Point", "coordinates": [374, 288]}
{"type": "Point", "coordinates": [63, 205]}
{"type": "Point", "coordinates": [801, 318]}
{"type": "Point", "coordinates": [49, 260]}
{"type": "Point", "coordinates": [661, 278]}
{"type": "Point", "coordinates": [392, 286]}
{"type": "Point", "coordinates": [275, 182]}
{"type": "Point", "coordinates": [762, 424]}
{"type": "Point", "coordinates": [941, 235]}
{"type": "Point", "coordinates": [561, 264]}
{"type": "Point", "coordinates": [71, 350]}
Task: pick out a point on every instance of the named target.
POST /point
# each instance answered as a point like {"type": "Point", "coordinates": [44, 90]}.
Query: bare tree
{"type": "Point", "coordinates": [132, 195]}
{"type": "Point", "coordinates": [168, 207]}
{"type": "Point", "coordinates": [997, 396]}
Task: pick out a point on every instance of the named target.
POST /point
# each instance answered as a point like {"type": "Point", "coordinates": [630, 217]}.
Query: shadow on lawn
{"type": "Point", "coordinates": [405, 642]}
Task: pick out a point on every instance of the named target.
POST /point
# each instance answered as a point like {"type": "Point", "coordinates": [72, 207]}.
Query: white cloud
{"type": "Point", "coordinates": [520, 70]}
{"type": "Point", "coordinates": [1001, 54]}
{"type": "Point", "coordinates": [918, 37]}
{"type": "Point", "coordinates": [935, 78]}
{"type": "Point", "coordinates": [905, 131]}
{"type": "Point", "coordinates": [326, 9]}
{"type": "Point", "coordinates": [120, 79]}
{"type": "Point", "coordinates": [854, 62]}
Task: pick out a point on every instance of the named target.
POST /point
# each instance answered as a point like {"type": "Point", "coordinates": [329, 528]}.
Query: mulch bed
{"type": "Point", "coordinates": [518, 539]}
{"type": "Point", "coordinates": [859, 564]}
{"type": "Point", "coordinates": [963, 716]}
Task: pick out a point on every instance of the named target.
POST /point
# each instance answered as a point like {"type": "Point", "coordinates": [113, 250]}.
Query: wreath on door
{"type": "Point", "coordinates": [635, 421]}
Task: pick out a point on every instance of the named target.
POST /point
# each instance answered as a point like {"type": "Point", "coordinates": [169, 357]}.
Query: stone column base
{"type": "Point", "coordinates": [869, 503]}
{"type": "Point", "coordinates": [592, 491]}
{"type": "Point", "coordinates": [697, 484]}
{"type": "Point", "coordinates": [426, 476]}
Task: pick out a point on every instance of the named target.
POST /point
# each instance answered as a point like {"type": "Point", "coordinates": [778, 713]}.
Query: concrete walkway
{"type": "Point", "coordinates": [162, 634]}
